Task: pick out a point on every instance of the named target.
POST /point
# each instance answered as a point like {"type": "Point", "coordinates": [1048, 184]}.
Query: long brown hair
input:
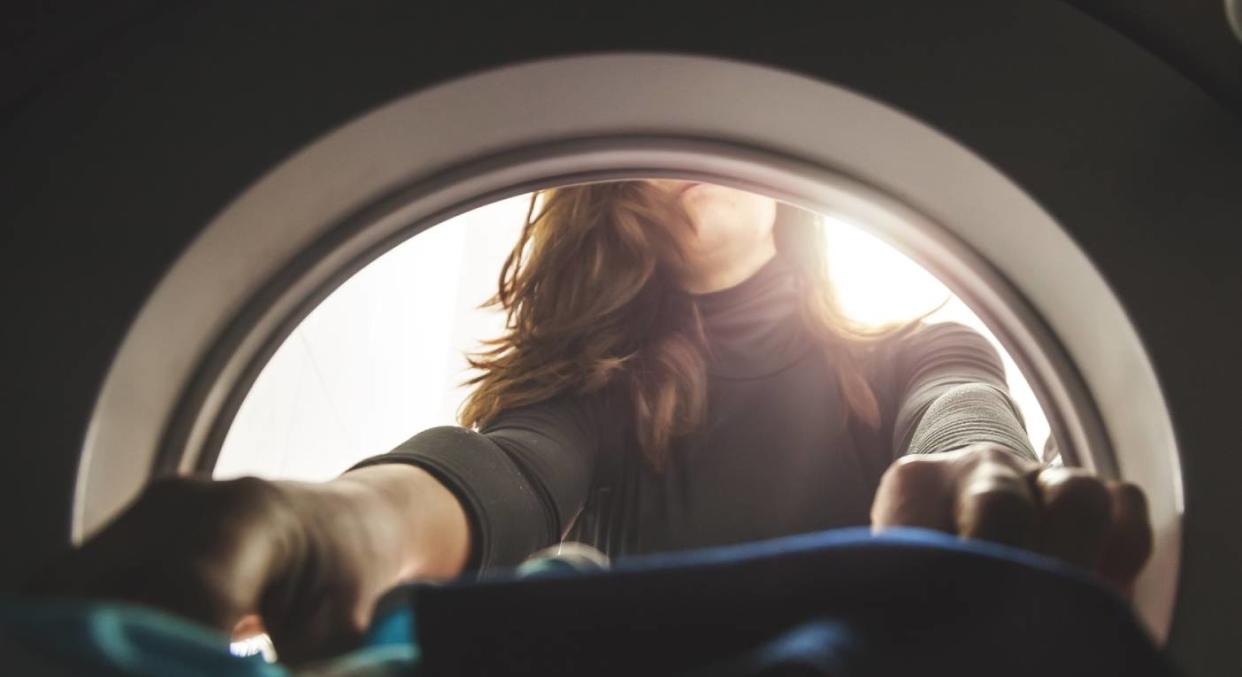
{"type": "Point", "coordinates": [589, 306]}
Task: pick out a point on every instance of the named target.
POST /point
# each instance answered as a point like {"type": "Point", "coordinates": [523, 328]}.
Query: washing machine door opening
{"type": "Point", "coordinates": [384, 355]}
{"type": "Point", "coordinates": [277, 252]}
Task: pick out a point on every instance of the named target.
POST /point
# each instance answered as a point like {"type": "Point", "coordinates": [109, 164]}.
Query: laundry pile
{"type": "Point", "coordinates": [840, 603]}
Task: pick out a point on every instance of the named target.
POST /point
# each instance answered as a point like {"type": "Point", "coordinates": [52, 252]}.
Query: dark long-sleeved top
{"type": "Point", "coordinates": [778, 454]}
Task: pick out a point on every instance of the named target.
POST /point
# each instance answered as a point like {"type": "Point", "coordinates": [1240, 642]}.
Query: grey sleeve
{"type": "Point", "coordinates": [522, 479]}
{"type": "Point", "coordinates": [951, 392]}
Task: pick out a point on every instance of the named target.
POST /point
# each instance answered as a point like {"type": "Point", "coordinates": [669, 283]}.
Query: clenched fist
{"type": "Point", "coordinates": [987, 492]}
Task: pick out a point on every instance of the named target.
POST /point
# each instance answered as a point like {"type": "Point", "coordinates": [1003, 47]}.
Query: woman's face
{"type": "Point", "coordinates": [730, 235]}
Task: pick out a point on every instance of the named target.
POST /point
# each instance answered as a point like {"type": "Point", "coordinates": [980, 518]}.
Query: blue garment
{"type": "Point", "coordinates": [834, 603]}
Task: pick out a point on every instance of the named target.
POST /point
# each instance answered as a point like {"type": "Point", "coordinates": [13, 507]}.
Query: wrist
{"type": "Point", "coordinates": [416, 516]}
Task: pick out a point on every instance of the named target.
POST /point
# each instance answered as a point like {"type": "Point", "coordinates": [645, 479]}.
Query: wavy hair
{"type": "Point", "coordinates": [590, 306]}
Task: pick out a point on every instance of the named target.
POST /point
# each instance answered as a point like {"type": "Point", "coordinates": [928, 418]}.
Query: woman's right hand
{"type": "Point", "coordinates": [299, 555]}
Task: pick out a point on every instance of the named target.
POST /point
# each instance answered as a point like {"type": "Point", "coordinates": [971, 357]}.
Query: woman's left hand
{"type": "Point", "coordinates": [988, 492]}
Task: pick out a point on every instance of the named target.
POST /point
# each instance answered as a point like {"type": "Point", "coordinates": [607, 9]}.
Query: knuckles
{"type": "Point", "coordinates": [1075, 493]}
{"type": "Point", "coordinates": [998, 513]}
{"type": "Point", "coordinates": [1130, 498]}
{"type": "Point", "coordinates": [913, 475]}
{"type": "Point", "coordinates": [225, 502]}
{"type": "Point", "coordinates": [1131, 541]}
{"type": "Point", "coordinates": [910, 493]}
{"type": "Point", "coordinates": [998, 495]}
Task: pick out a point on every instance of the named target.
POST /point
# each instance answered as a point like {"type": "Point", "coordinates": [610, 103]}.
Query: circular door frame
{"type": "Point", "coordinates": [274, 252]}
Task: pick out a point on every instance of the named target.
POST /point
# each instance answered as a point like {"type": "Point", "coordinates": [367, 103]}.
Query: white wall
{"type": "Point", "coordinates": [382, 357]}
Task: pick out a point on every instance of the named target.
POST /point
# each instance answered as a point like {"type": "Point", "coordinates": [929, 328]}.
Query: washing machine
{"type": "Point", "coordinates": [1073, 169]}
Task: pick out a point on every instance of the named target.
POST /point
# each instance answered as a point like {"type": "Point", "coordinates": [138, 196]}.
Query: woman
{"type": "Point", "coordinates": [675, 374]}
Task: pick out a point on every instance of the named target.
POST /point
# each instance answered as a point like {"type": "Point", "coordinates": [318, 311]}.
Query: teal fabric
{"type": "Point", "coordinates": [835, 603]}
{"type": "Point", "coordinates": [101, 638]}
{"type": "Point", "coordinates": [106, 638]}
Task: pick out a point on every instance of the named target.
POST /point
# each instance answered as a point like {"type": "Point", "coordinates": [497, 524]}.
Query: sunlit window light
{"type": "Point", "coordinates": [383, 356]}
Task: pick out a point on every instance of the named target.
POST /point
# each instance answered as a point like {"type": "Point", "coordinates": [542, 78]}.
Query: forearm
{"type": "Point", "coordinates": [969, 414]}
{"type": "Point", "coordinates": [519, 484]}
{"type": "Point", "coordinates": [401, 521]}
{"type": "Point", "coordinates": [953, 393]}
